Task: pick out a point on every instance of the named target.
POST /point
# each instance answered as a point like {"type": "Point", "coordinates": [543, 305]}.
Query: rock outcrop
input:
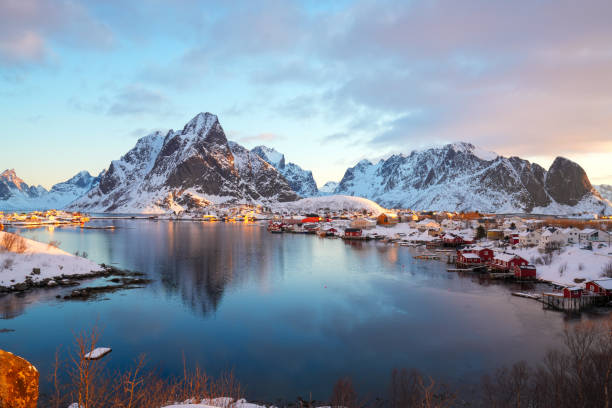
{"type": "Point", "coordinates": [18, 382]}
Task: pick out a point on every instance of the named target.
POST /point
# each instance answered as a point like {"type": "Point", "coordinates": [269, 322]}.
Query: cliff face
{"type": "Point", "coordinates": [185, 170]}
{"type": "Point", "coordinates": [462, 177]}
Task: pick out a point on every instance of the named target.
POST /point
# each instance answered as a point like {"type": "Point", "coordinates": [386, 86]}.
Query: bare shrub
{"type": "Point", "coordinates": [562, 269]}
{"type": "Point", "coordinates": [343, 394]}
{"type": "Point", "coordinates": [410, 390]}
{"type": "Point", "coordinates": [8, 263]}
{"type": "Point", "coordinates": [13, 243]}
{"type": "Point", "coordinates": [90, 385]}
{"type": "Point", "coordinates": [54, 244]}
{"type": "Point", "coordinates": [607, 270]}
{"type": "Point", "coordinates": [547, 258]}
{"type": "Point", "coordinates": [581, 266]}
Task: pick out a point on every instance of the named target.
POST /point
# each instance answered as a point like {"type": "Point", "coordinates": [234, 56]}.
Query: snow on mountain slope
{"type": "Point", "coordinates": [15, 194]}
{"type": "Point", "coordinates": [184, 170]}
{"type": "Point", "coordinates": [328, 188]}
{"type": "Point", "coordinates": [333, 203]}
{"type": "Point", "coordinates": [605, 190]}
{"type": "Point", "coordinates": [300, 180]}
{"type": "Point", "coordinates": [462, 177]}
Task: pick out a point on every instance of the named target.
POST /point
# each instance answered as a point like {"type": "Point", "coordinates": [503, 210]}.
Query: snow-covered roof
{"type": "Point", "coordinates": [470, 256]}
{"type": "Point", "coordinates": [506, 257]}
{"type": "Point", "coordinates": [604, 283]}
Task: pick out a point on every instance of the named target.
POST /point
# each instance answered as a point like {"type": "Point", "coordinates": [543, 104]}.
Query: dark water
{"type": "Point", "coordinates": [289, 313]}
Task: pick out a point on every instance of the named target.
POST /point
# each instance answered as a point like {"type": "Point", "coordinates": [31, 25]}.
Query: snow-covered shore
{"type": "Point", "coordinates": [49, 262]}
{"type": "Point", "coordinates": [569, 264]}
{"type": "Point", "coordinates": [564, 266]}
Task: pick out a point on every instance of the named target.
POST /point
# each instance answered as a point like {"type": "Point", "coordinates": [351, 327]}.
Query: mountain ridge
{"type": "Point", "coordinates": [463, 177]}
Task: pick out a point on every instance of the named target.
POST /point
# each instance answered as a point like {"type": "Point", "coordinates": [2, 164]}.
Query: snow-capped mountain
{"type": "Point", "coordinates": [462, 177]}
{"type": "Point", "coordinates": [300, 180]}
{"type": "Point", "coordinates": [184, 170]}
{"type": "Point", "coordinates": [328, 188]}
{"type": "Point", "coordinates": [15, 194]}
{"type": "Point", "coordinates": [605, 190]}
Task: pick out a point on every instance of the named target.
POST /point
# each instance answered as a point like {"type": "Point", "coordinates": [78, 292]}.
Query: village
{"type": "Point", "coordinates": [37, 219]}
{"type": "Point", "coordinates": [573, 256]}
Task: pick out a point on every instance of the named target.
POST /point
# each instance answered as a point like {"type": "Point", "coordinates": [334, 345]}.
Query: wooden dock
{"type": "Point", "coordinates": [533, 296]}
{"type": "Point", "coordinates": [556, 301]}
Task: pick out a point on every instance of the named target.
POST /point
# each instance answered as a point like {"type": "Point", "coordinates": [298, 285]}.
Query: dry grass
{"type": "Point", "coordinates": [91, 385]}
{"type": "Point", "coordinates": [579, 375]}
{"type": "Point", "coordinates": [13, 243]}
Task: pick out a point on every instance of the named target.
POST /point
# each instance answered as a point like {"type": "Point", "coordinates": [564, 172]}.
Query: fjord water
{"type": "Point", "coordinates": [290, 314]}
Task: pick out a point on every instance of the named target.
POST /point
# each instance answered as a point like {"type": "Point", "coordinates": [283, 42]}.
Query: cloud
{"type": "Point", "coordinates": [137, 100]}
{"type": "Point", "coordinates": [335, 137]}
{"type": "Point", "coordinates": [30, 28]}
{"type": "Point", "coordinates": [261, 138]}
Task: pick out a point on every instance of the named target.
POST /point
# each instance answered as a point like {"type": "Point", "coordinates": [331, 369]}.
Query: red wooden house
{"type": "Point", "coordinates": [525, 272]}
{"type": "Point", "coordinates": [486, 254]}
{"type": "Point", "coordinates": [452, 240]}
{"type": "Point", "coordinates": [514, 239]}
{"type": "Point", "coordinates": [506, 262]}
{"type": "Point", "coordinates": [352, 232]}
{"type": "Point", "coordinates": [468, 258]}
{"type": "Point", "coordinates": [572, 293]}
{"type": "Point", "coordinates": [600, 286]}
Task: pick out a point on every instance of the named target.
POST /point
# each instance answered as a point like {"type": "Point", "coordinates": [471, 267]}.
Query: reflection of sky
{"type": "Point", "coordinates": [291, 313]}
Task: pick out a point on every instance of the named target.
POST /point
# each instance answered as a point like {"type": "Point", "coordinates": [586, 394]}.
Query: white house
{"type": "Point", "coordinates": [573, 235]}
{"type": "Point", "coordinates": [593, 235]}
{"type": "Point", "coordinates": [552, 237]}
{"type": "Point", "coordinates": [529, 239]}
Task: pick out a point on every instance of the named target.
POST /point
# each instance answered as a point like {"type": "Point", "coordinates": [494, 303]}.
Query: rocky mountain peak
{"type": "Point", "coordinates": [10, 176]}
{"type": "Point", "coordinates": [270, 155]}
{"type": "Point", "coordinates": [567, 182]}
{"type": "Point", "coordinates": [201, 123]}
{"type": "Point", "coordinates": [300, 180]}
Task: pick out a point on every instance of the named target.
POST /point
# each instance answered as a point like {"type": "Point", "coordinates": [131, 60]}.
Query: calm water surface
{"type": "Point", "coordinates": [289, 313]}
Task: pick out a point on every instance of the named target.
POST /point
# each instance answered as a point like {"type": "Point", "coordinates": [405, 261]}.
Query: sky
{"type": "Point", "coordinates": [325, 83]}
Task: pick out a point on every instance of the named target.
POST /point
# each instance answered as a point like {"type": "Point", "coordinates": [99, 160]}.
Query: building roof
{"type": "Point", "coordinates": [470, 256]}
{"type": "Point", "coordinates": [506, 257]}
{"type": "Point", "coordinates": [604, 283]}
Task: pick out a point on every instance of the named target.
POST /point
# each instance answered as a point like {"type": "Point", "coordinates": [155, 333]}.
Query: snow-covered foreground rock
{"type": "Point", "coordinates": [52, 262]}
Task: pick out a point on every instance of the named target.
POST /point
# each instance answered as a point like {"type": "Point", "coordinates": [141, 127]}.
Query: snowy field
{"type": "Point", "coordinates": [52, 262]}
{"type": "Point", "coordinates": [569, 263]}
